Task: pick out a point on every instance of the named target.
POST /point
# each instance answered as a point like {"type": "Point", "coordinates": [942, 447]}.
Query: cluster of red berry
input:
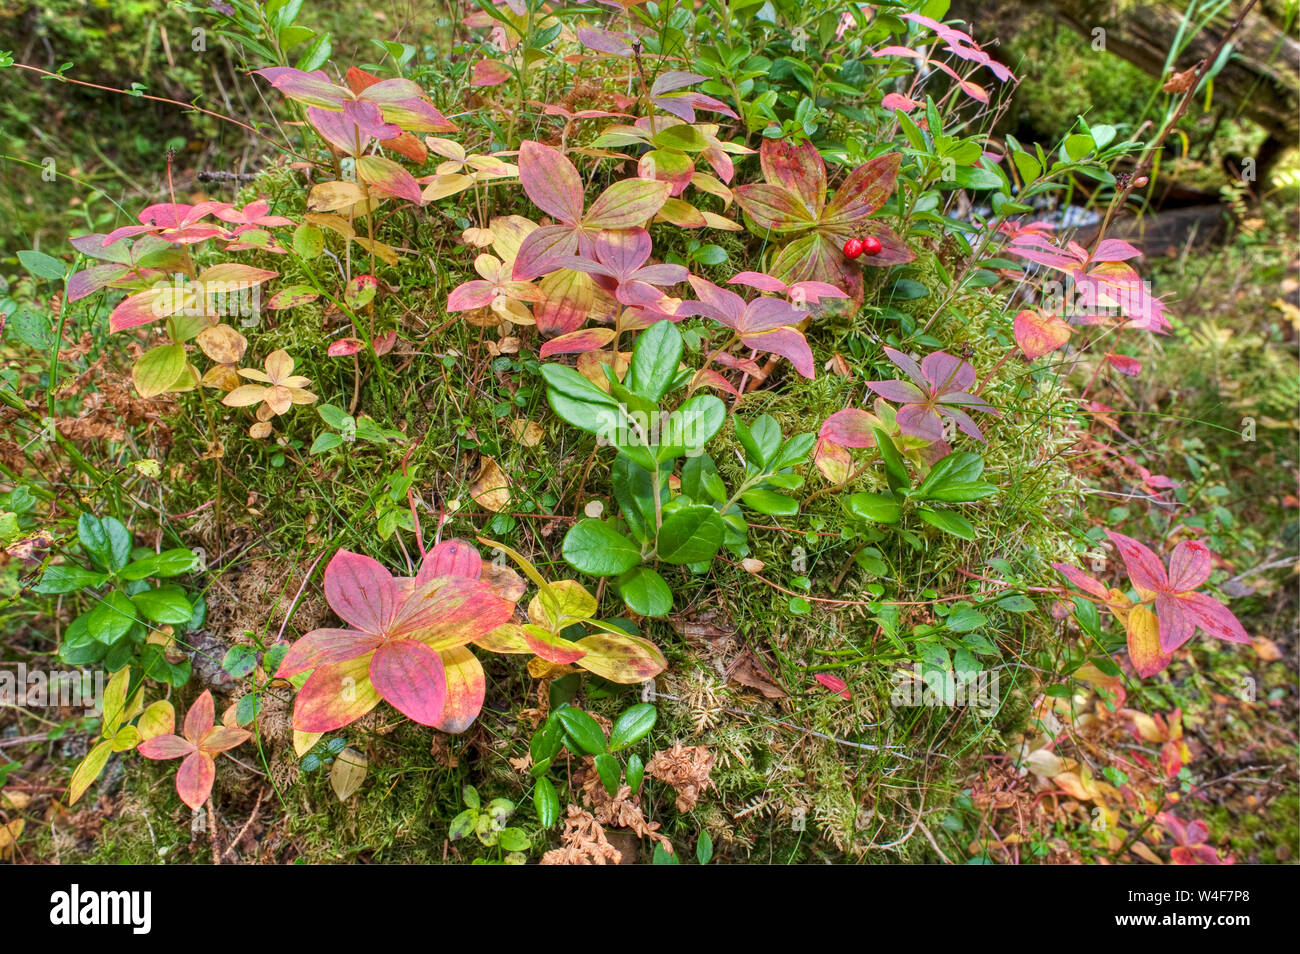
{"type": "Point", "coordinates": [856, 247]}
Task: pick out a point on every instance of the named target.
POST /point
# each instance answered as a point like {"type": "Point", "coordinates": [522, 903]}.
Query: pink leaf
{"type": "Point", "coordinates": [489, 73]}
{"type": "Point", "coordinates": [1038, 334]}
{"type": "Point", "coordinates": [1144, 567]}
{"type": "Point", "coordinates": [410, 677]}
{"type": "Point", "coordinates": [1082, 580]}
{"type": "Point", "coordinates": [578, 342]}
{"type": "Point", "coordinates": [851, 427]}
{"type": "Point", "coordinates": [1189, 566]}
{"type": "Point", "coordinates": [540, 250]}
{"type": "Point", "coordinates": [200, 717]}
{"type": "Point", "coordinates": [451, 558]}
{"type": "Point", "coordinates": [1115, 250]}
{"type": "Point", "coordinates": [551, 181]}
{"type": "Point", "coordinates": [1124, 364]}
{"type": "Point", "coordinates": [322, 646]}
{"type": "Point", "coordinates": [361, 591]}
{"type": "Point", "coordinates": [344, 347]}
{"type": "Point", "coordinates": [335, 695]}
{"type": "Point", "coordinates": [1214, 618]}
{"type": "Point", "coordinates": [194, 779]}
{"type": "Point", "coordinates": [834, 683]}
{"type": "Point", "coordinates": [165, 747]}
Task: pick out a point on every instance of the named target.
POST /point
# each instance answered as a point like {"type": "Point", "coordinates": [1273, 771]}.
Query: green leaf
{"type": "Point", "coordinates": [700, 480]}
{"type": "Point", "coordinates": [564, 380]}
{"type": "Point", "coordinates": [610, 772]}
{"type": "Point", "coordinates": [513, 839]}
{"type": "Point", "coordinates": [248, 707]}
{"type": "Point", "coordinates": [547, 740]}
{"type": "Point", "coordinates": [765, 439]}
{"type": "Point", "coordinates": [595, 547]}
{"type": "Point", "coordinates": [980, 644]}
{"type": "Point", "coordinates": [164, 605]}
{"type": "Point", "coordinates": [635, 772]}
{"type": "Point", "coordinates": [882, 508]}
{"type": "Point", "coordinates": [634, 490]}
{"type": "Point", "coordinates": [165, 564]}
{"type": "Point", "coordinates": [328, 440]}
{"type": "Point", "coordinates": [794, 451]}
{"type": "Point", "coordinates": [67, 579]}
{"type": "Point", "coordinates": [691, 426]}
{"type": "Point", "coordinates": [770, 503]}
{"type": "Point", "coordinates": [583, 731]}
{"type": "Point", "coordinates": [961, 468]}
{"type": "Point", "coordinates": [158, 369]}
{"type": "Point", "coordinates": [317, 52]}
{"type": "Point", "coordinates": [655, 358]}
{"type": "Point", "coordinates": [32, 328]}
{"type": "Point", "coordinates": [546, 802]}
{"type": "Point", "coordinates": [632, 726]}
{"type": "Point", "coordinates": [308, 241]}
{"type": "Point", "coordinates": [963, 493]}
{"type": "Point", "coordinates": [948, 522]}
{"type": "Point", "coordinates": [645, 592]}
{"type": "Point", "coordinates": [965, 620]}
{"type": "Point", "coordinates": [895, 470]}
{"type": "Point", "coordinates": [79, 646]}
{"type": "Point", "coordinates": [40, 265]}
{"type": "Point", "coordinates": [704, 848]}
{"type": "Point", "coordinates": [239, 661]}
{"type": "Point", "coordinates": [1016, 603]}
{"type": "Point", "coordinates": [690, 534]}
{"type": "Point", "coordinates": [111, 619]}
{"type": "Point", "coordinates": [664, 857]}
{"type": "Point", "coordinates": [681, 137]}
{"type": "Point", "coordinates": [1078, 146]}
{"type": "Point", "coordinates": [106, 541]}
{"type": "Point", "coordinates": [462, 825]}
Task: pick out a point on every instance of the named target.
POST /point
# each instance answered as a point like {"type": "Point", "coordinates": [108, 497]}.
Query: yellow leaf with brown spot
{"type": "Point", "coordinates": [490, 489]}
{"type": "Point", "coordinates": [223, 344]}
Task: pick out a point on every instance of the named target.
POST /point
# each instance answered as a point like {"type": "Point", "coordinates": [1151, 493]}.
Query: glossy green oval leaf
{"type": "Point", "coordinates": [596, 548]}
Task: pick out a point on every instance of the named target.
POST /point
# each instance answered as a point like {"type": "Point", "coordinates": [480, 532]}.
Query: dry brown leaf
{"type": "Point", "coordinates": [1266, 649]}
{"type": "Point", "coordinates": [748, 670]}
{"type": "Point", "coordinates": [9, 836]}
{"type": "Point", "coordinates": [582, 842]}
{"type": "Point", "coordinates": [347, 773]}
{"type": "Point", "coordinates": [686, 768]}
{"type": "Point", "coordinates": [1180, 83]}
{"type": "Point", "coordinates": [223, 344]}
{"type": "Point", "coordinates": [528, 433]}
{"type": "Point", "coordinates": [490, 489]}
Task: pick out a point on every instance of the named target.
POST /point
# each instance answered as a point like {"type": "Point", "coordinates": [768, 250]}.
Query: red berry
{"type": "Point", "coordinates": [854, 247]}
{"type": "Point", "coordinates": [871, 245]}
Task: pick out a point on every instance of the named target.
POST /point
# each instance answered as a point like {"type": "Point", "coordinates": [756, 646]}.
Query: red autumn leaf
{"type": "Point", "coordinates": [834, 683]}
{"type": "Point", "coordinates": [1179, 609]}
{"type": "Point", "coordinates": [554, 186]}
{"type": "Point", "coordinates": [393, 650]}
{"type": "Point", "coordinates": [1038, 334]}
{"type": "Point", "coordinates": [764, 324]}
{"type": "Point", "coordinates": [1124, 364]}
{"type": "Point", "coordinates": [793, 200]}
{"type": "Point", "coordinates": [199, 744]}
{"type": "Point", "coordinates": [939, 387]}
